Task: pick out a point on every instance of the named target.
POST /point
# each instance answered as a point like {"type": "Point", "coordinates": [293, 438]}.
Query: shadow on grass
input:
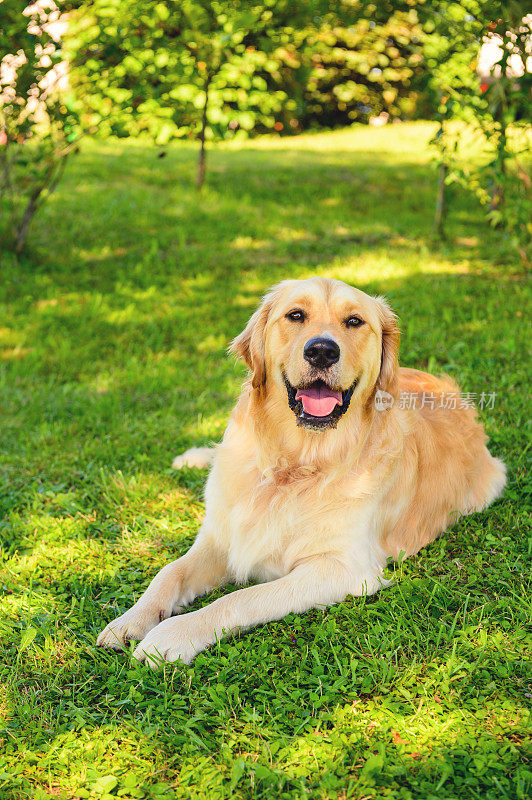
{"type": "Point", "coordinates": [289, 203]}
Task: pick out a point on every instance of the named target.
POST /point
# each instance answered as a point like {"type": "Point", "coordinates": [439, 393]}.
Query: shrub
{"type": "Point", "coordinates": [38, 120]}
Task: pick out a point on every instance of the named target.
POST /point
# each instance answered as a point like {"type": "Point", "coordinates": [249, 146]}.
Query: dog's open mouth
{"type": "Point", "coordinates": [317, 405]}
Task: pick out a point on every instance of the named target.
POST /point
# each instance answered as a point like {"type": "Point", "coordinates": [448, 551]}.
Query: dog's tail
{"type": "Point", "coordinates": [200, 457]}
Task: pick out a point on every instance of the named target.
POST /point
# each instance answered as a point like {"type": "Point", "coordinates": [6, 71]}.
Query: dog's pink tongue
{"type": "Point", "coordinates": [318, 400]}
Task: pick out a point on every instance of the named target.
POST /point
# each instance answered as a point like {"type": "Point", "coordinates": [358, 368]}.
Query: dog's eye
{"type": "Point", "coordinates": [354, 322]}
{"type": "Point", "coordinates": [296, 316]}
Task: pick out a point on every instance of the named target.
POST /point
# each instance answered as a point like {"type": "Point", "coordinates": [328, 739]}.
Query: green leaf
{"type": "Point", "coordinates": [237, 771]}
{"type": "Point", "coordinates": [105, 784]}
{"type": "Point", "coordinates": [165, 133]}
{"type": "Point", "coordinates": [26, 639]}
{"type": "Point", "coordinates": [373, 764]}
{"type": "Point", "coordinates": [162, 11]}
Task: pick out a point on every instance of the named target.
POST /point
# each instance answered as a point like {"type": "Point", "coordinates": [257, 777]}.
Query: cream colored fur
{"type": "Point", "coordinates": [313, 515]}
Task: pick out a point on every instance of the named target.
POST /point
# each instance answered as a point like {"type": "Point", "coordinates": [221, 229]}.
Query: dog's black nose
{"type": "Point", "coordinates": [321, 353]}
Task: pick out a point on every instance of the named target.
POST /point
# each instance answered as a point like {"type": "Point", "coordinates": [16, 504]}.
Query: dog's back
{"type": "Point", "coordinates": [454, 473]}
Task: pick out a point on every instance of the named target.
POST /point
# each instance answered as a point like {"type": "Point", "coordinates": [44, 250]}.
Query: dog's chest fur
{"type": "Point", "coordinates": [272, 520]}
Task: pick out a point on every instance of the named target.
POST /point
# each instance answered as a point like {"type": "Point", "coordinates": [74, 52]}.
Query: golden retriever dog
{"type": "Point", "coordinates": [324, 473]}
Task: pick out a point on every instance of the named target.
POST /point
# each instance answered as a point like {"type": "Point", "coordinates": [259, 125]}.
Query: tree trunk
{"type": "Point", "coordinates": [31, 208]}
{"type": "Point", "coordinates": [497, 188]}
{"type": "Point", "coordinates": [6, 187]}
{"type": "Point", "coordinates": [36, 196]}
{"type": "Point", "coordinates": [202, 153]}
{"type": "Point", "coordinates": [441, 205]}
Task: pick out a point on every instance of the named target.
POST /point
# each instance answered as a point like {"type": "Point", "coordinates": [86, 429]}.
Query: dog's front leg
{"type": "Point", "coordinates": [173, 588]}
{"type": "Point", "coordinates": [319, 581]}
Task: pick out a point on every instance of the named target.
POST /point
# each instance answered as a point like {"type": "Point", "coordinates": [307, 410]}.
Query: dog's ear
{"type": "Point", "coordinates": [391, 337]}
{"type": "Point", "coordinates": [250, 344]}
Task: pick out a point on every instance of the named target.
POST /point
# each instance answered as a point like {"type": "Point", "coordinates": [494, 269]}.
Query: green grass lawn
{"type": "Point", "coordinates": [113, 329]}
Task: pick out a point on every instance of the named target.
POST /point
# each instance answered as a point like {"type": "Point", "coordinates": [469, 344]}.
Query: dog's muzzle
{"type": "Point", "coordinates": [316, 405]}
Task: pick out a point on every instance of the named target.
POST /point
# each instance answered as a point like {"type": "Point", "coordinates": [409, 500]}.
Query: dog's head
{"type": "Point", "coordinates": [321, 345]}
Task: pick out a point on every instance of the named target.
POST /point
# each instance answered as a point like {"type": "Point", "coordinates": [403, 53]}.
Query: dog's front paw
{"type": "Point", "coordinates": [133, 625]}
{"type": "Point", "coordinates": [171, 640]}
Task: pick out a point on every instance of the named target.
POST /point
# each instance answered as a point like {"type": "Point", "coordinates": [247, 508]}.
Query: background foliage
{"type": "Point", "coordinates": [339, 74]}
{"type": "Point", "coordinates": [38, 123]}
{"type": "Point", "coordinates": [145, 66]}
{"type": "Point", "coordinates": [271, 66]}
{"type": "Point", "coordinates": [212, 70]}
{"type": "Point", "coordinates": [494, 109]}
